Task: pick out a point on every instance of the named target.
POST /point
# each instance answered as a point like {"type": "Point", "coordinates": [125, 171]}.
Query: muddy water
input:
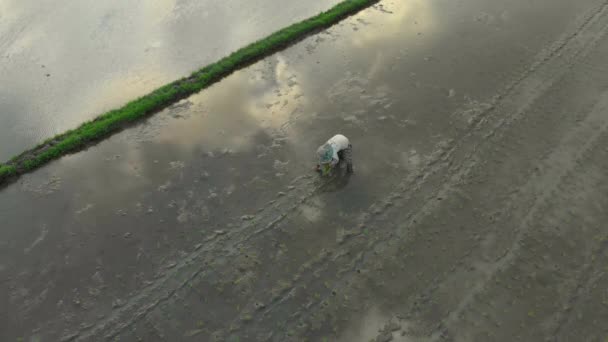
{"type": "Point", "coordinates": [64, 63]}
{"type": "Point", "coordinates": [83, 238]}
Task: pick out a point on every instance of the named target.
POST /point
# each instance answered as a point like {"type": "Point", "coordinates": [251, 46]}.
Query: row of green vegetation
{"type": "Point", "coordinates": [116, 120]}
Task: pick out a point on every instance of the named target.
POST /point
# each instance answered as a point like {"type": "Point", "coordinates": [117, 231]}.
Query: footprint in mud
{"type": "Point", "coordinates": [280, 167]}
{"type": "Point", "coordinates": [353, 120]}
{"type": "Point", "coordinates": [84, 209]}
{"type": "Point", "coordinates": [312, 212]}
{"type": "Point", "coordinates": [472, 110]}
{"type": "Point", "coordinates": [184, 215]}
{"type": "Point", "coordinates": [164, 187]}
{"type": "Point", "coordinates": [229, 189]}
{"type": "Point", "coordinates": [377, 326]}
{"type": "Point", "coordinates": [310, 48]}
{"type": "Point", "coordinates": [176, 165]}
{"type": "Point", "coordinates": [485, 18]}
{"type": "Point", "coordinates": [411, 160]}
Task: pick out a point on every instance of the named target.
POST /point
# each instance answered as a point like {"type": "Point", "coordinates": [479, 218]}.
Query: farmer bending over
{"type": "Point", "coordinates": [336, 149]}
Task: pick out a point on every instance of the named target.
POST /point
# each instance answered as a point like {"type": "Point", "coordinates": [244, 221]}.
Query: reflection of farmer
{"type": "Point", "coordinates": [336, 149]}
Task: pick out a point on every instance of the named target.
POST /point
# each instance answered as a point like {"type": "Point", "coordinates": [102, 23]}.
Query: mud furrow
{"type": "Point", "coordinates": [589, 307]}
{"type": "Point", "coordinates": [539, 269]}
{"type": "Point", "coordinates": [571, 150]}
{"type": "Point", "coordinates": [222, 245]}
{"type": "Point", "coordinates": [587, 278]}
{"type": "Point", "coordinates": [190, 267]}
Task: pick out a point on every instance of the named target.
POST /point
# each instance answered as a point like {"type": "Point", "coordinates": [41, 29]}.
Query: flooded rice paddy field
{"type": "Point", "coordinates": [476, 211]}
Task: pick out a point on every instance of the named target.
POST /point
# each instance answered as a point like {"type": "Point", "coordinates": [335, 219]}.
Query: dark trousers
{"type": "Point", "coordinates": [346, 155]}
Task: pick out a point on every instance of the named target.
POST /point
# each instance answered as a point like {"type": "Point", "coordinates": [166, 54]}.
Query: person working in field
{"type": "Point", "coordinates": [335, 150]}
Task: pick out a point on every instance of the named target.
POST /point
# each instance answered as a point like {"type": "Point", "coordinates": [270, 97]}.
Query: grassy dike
{"type": "Point", "coordinates": [116, 120]}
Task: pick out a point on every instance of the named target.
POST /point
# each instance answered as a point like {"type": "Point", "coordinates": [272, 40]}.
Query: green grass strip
{"type": "Point", "coordinates": [116, 120]}
{"type": "Point", "coordinates": [7, 171]}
